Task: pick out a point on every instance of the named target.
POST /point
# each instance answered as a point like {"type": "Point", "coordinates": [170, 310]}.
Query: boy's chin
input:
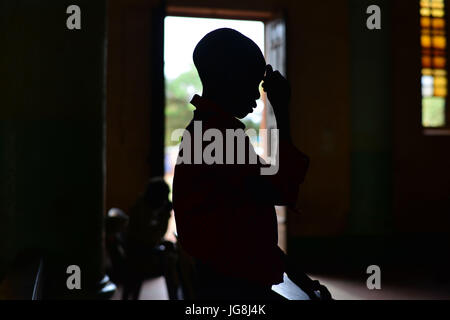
{"type": "Point", "coordinates": [242, 115]}
{"type": "Point", "coordinates": [243, 112]}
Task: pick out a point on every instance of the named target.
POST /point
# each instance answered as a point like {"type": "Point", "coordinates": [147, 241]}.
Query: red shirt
{"type": "Point", "coordinates": [225, 213]}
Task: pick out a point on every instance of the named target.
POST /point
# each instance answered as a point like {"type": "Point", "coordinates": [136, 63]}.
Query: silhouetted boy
{"type": "Point", "coordinates": [225, 213]}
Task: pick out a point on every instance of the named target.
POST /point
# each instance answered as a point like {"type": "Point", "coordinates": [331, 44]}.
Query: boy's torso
{"type": "Point", "coordinates": [220, 217]}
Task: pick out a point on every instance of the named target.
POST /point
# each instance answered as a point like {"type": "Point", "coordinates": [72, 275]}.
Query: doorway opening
{"type": "Point", "coordinates": [181, 35]}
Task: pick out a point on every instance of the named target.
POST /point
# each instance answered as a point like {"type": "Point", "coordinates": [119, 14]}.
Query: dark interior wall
{"type": "Point", "coordinates": [52, 134]}
{"type": "Point", "coordinates": [371, 121]}
{"type": "Point", "coordinates": [362, 239]}
{"type": "Point", "coordinates": [129, 96]}
{"type": "Point", "coordinates": [318, 68]}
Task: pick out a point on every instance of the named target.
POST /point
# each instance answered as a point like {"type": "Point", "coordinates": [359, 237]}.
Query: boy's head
{"type": "Point", "coordinates": [231, 67]}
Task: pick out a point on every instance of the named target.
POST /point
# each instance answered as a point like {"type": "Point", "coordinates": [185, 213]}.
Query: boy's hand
{"type": "Point", "coordinates": [279, 93]}
{"type": "Point", "coordinates": [277, 88]}
{"type": "Point", "coordinates": [313, 288]}
{"type": "Point", "coordinates": [323, 293]}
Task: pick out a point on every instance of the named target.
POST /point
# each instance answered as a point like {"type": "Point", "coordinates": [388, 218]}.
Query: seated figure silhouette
{"type": "Point", "coordinates": [225, 212]}
{"type": "Point", "coordinates": [148, 253]}
{"type": "Point", "coordinates": [116, 223]}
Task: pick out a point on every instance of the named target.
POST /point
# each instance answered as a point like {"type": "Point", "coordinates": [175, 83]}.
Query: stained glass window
{"type": "Point", "coordinates": [434, 62]}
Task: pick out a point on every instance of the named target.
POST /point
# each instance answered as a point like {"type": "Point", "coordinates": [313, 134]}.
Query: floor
{"type": "Point", "coordinates": [345, 288]}
{"type": "Point", "coordinates": [153, 289]}
{"type": "Point", "coordinates": [341, 288]}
